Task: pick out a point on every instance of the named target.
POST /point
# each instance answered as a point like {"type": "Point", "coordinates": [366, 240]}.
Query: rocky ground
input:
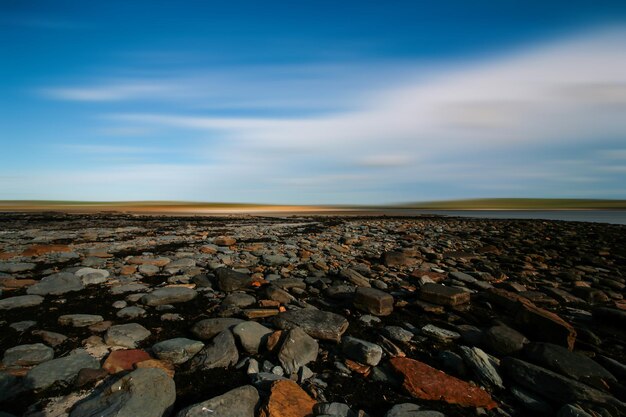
{"type": "Point", "coordinates": [120, 315]}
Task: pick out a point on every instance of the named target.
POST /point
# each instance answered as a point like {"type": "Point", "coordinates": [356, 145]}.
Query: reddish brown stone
{"type": "Point", "coordinates": [128, 269]}
{"type": "Point", "coordinates": [435, 276]}
{"type": "Point", "coordinates": [427, 383]}
{"type": "Point", "coordinates": [38, 250]}
{"type": "Point", "coordinates": [167, 367]}
{"type": "Point", "coordinates": [545, 325]}
{"type": "Point", "coordinates": [14, 284]}
{"type": "Point", "coordinates": [273, 340]}
{"type": "Point", "coordinates": [208, 249]}
{"type": "Point", "coordinates": [287, 399]}
{"type": "Point", "coordinates": [255, 313]}
{"type": "Point", "coordinates": [123, 360]}
{"type": "Point", "coordinates": [225, 241]}
{"type": "Point", "coordinates": [442, 295]}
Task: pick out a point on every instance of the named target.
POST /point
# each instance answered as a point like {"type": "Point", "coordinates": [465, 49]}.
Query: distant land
{"type": "Point", "coordinates": [225, 207]}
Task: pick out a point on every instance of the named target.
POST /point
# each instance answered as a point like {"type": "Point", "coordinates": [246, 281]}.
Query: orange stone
{"type": "Point", "coordinates": [208, 249]}
{"type": "Point", "coordinates": [38, 250]}
{"type": "Point", "coordinates": [7, 255]}
{"type": "Point", "coordinates": [123, 360]}
{"type": "Point", "coordinates": [287, 399]}
{"type": "Point", "coordinates": [427, 383]}
{"type": "Point", "coordinates": [359, 368]}
{"type": "Point", "coordinates": [128, 269]}
{"type": "Point", "coordinates": [272, 341]}
{"type": "Point", "coordinates": [155, 363]}
{"type": "Point", "coordinates": [14, 284]}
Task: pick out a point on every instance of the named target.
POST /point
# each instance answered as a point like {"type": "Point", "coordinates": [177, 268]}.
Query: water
{"type": "Point", "coordinates": [598, 216]}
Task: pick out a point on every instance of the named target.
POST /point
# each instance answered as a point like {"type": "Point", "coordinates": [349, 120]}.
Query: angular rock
{"type": "Point", "coordinates": [504, 340]}
{"type": "Point", "coordinates": [169, 295]}
{"type": "Point", "coordinates": [438, 333]}
{"type": "Point", "coordinates": [126, 335]}
{"type": "Point", "coordinates": [221, 352]}
{"type": "Point", "coordinates": [287, 399]}
{"type": "Point", "coordinates": [239, 402]}
{"type": "Point", "coordinates": [316, 323]}
{"type": "Point", "coordinates": [442, 295]}
{"type": "Point", "coordinates": [354, 277]}
{"type": "Point", "coordinates": [178, 350]}
{"type": "Point", "coordinates": [229, 280]}
{"type": "Point", "coordinates": [251, 335]}
{"type": "Point", "coordinates": [361, 350]}
{"type": "Point", "coordinates": [483, 368]}
{"type": "Point", "coordinates": [207, 328]}
{"type": "Point", "coordinates": [56, 284]}
{"type": "Point", "coordinates": [373, 301]}
{"type": "Point", "coordinates": [27, 355]}
{"type": "Point", "coordinates": [20, 301]}
{"type": "Point", "coordinates": [297, 350]}
{"type": "Point", "coordinates": [545, 326]}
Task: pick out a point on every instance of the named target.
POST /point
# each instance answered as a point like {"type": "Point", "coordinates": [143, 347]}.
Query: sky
{"type": "Point", "coordinates": [312, 102]}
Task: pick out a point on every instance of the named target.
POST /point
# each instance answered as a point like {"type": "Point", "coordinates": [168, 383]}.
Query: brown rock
{"type": "Point", "coordinates": [167, 367]}
{"type": "Point", "coordinates": [8, 284]}
{"type": "Point", "coordinates": [38, 250]}
{"type": "Point", "coordinates": [546, 326]}
{"type": "Point", "coordinates": [123, 360]}
{"type": "Point", "coordinates": [373, 301]}
{"type": "Point", "coordinates": [273, 339]}
{"type": "Point", "coordinates": [208, 249]}
{"type": "Point", "coordinates": [255, 313]}
{"type": "Point", "coordinates": [128, 269]}
{"type": "Point", "coordinates": [427, 383]}
{"type": "Point", "coordinates": [147, 260]}
{"type": "Point", "coordinates": [88, 375]}
{"type": "Point", "coordinates": [442, 295]}
{"type": "Point", "coordinates": [287, 399]}
{"type": "Point", "coordinates": [225, 241]}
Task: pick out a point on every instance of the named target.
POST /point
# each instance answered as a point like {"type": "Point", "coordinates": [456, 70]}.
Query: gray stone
{"type": "Point", "coordinates": [14, 267]}
{"type": "Point", "coordinates": [221, 352]}
{"type": "Point", "coordinates": [125, 288]}
{"type": "Point", "coordinates": [169, 295]}
{"type": "Point", "coordinates": [146, 392]}
{"type": "Point", "coordinates": [27, 355]}
{"type": "Point", "coordinates": [503, 340]}
{"type": "Point", "coordinates": [90, 276]}
{"type": "Point", "coordinates": [354, 277]}
{"type": "Point", "coordinates": [480, 363]}
{"type": "Point", "coordinates": [229, 280]}
{"type": "Point", "coordinates": [178, 350]}
{"type": "Point", "coordinates": [238, 299]}
{"type": "Point", "coordinates": [240, 402]}
{"type": "Point", "coordinates": [373, 301]}
{"type": "Point", "coordinates": [569, 410]}
{"type": "Point", "coordinates": [131, 312]}
{"type": "Point", "coordinates": [334, 409]}
{"type": "Point", "coordinates": [316, 323]}
{"type": "Point", "coordinates": [22, 326]}
{"type": "Point", "coordinates": [398, 334]}
{"type": "Point", "coordinates": [10, 386]}
{"type": "Point", "coordinates": [298, 349]}
{"type": "Point", "coordinates": [442, 295]}
{"type": "Point", "coordinates": [51, 338]}
{"type": "Point", "coordinates": [207, 328]}
{"type": "Point", "coordinates": [275, 260]}
{"type": "Point", "coordinates": [361, 350]}
{"type": "Point", "coordinates": [251, 335]}
{"type": "Point", "coordinates": [411, 410]}
{"type": "Point", "coordinates": [56, 284]}
{"type": "Point", "coordinates": [62, 369]}
{"type": "Point", "coordinates": [439, 333]}
{"type": "Point", "coordinates": [79, 320]}
{"type": "Point", "coordinates": [126, 335]}
{"type": "Point", "coordinates": [148, 270]}
{"type": "Point", "coordinates": [20, 301]}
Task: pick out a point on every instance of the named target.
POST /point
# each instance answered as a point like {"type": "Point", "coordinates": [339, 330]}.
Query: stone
{"type": "Point", "coordinates": [373, 301]}
{"type": "Point", "coordinates": [62, 369]}
{"type": "Point", "coordinates": [569, 410]}
{"type": "Point", "coordinates": [123, 360]}
{"type": "Point", "coordinates": [545, 326]}
{"type": "Point", "coordinates": [239, 402]}
{"type": "Point", "coordinates": [438, 333]}
{"type": "Point", "coordinates": [147, 260]}
{"type": "Point", "coordinates": [424, 382]}
{"type": "Point", "coordinates": [504, 340]}
{"type": "Point", "coordinates": [56, 284]}
{"type": "Point", "coordinates": [22, 326]}
{"type": "Point", "coordinates": [178, 350]}
{"type": "Point", "coordinates": [208, 328]}
{"type": "Point", "coordinates": [88, 376]}
{"type": "Point", "coordinates": [354, 277]}
{"type": "Point", "coordinates": [79, 320]}
{"type": "Point", "coordinates": [169, 295]}
{"type": "Point", "coordinates": [125, 288]}
{"type": "Point", "coordinates": [480, 363]}
{"type": "Point", "coordinates": [240, 300]}
{"type": "Point", "coordinates": [297, 350]}
{"type": "Point", "coordinates": [14, 284]}
{"type": "Point", "coordinates": [361, 350]}
{"type": "Point", "coordinates": [126, 335]}
{"type": "Point", "coordinates": [132, 312]}
{"type": "Point", "coordinates": [15, 267]}
{"type": "Point", "coordinates": [229, 280]}
{"type": "Point", "coordinates": [397, 259]}
{"type": "Point", "coordinates": [51, 338]}
{"type": "Point", "coordinates": [275, 293]}
{"type": "Point", "coordinates": [442, 295]}
{"type": "Point", "coordinates": [411, 410]}
{"type": "Point", "coordinates": [90, 276]}
{"type": "Point", "coordinates": [38, 249]}
{"type": "Point", "coordinates": [251, 336]}
{"type": "Point", "coordinates": [27, 355]}
{"type": "Point", "coordinates": [148, 270]}
{"type": "Point", "coordinates": [287, 399]}
{"type": "Point", "coordinates": [398, 334]}
{"type": "Point", "coordinates": [316, 323]}
{"type": "Point", "coordinates": [145, 392]}
{"type": "Point", "coordinates": [221, 352]}
{"type": "Point", "coordinates": [224, 241]}
{"type": "Point", "coordinates": [166, 367]}
{"type": "Point", "coordinates": [334, 410]}
{"type": "Point", "coordinates": [20, 301]}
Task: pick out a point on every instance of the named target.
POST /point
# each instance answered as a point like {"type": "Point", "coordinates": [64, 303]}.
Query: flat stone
{"type": "Point", "coordinates": [479, 362]}
{"type": "Point", "coordinates": [240, 300]}
{"type": "Point", "coordinates": [90, 276]}
{"type": "Point", "coordinates": [145, 392]}
{"type": "Point", "coordinates": [251, 336]}
{"type": "Point", "coordinates": [79, 320]}
{"type": "Point", "coordinates": [147, 260]}
{"type": "Point", "coordinates": [62, 369]}
{"type": "Point", "coordinates": [316, 323]}
{"type": "Point", "coordinates": [208, 328]}
{"type": "Point", "coordinates": [373, 301]}
{"type": "Point", "coordinates": [438, 333]}
{"type": "Point", "coordinates": [126, 288]}
{"type": "Point", "coordinates": [56, 284]}
{"type": "Point", "coordinates": [123, 360]}
{"type": "Point", "coordinates": [148, 270]}
{"type": "Point", "coordinates": [398, 259]}
{"type": "Point", "coordinates": [20, 301]}
{"type": "Point", "coordinates": [169, 295]}
{"type": "Point", "coordinates": [39, 249]}
{"type": "Point", "coordinates": [442, 295]}
{"type": "Point", "coordinates": [504, 340]}
{"type": "Point", "coordinates": [287, 399]}
{"type": "Point", "coordinates": [22, 326]}
{"type": "Point", "coordinates": [221, 352]}
{"type": "Point", "coordinates": [229, 280]}
{"type": "Point", "coordinates": [297, 350]}
{"type": "Point", "coordinates": [239, 402]}
{"type": "Point", "coordinates": [178, 350]}
{"type": "Point", "coordinates": [51, 338]}
{"type": "Point", "coordinates": [354, 277]}
{"type": "Point", "coordinates": [15, 267]}
{"type": "Point", "coordinates": [411, 410]}
{"type": "Point", "coordinates": [545, 325]}
{"type": "Point", "coordinates": [126, 335]}
{"type": "Point", "coordinates": [131, 312]}
{"type": "Point", "coordinates": [224, 241]}
{"type": "Point", "coordinates": [427, 383]}
{"type": "Point", "coordinates": [27, 355]}
{"type": "Point", "coordinates": [361, 350]}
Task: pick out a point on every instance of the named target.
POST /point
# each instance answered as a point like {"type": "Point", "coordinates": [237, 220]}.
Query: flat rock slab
{"type": "Point", "coordinates": [21, 301]}
{"type": "Point", "coordinates": [126, 335]}
{"type": "Point", "coordinates": [297, 350]}
{"type": "Point", "coordinates": [15, 267]}
{"type": "Point", "coordinates": [287, 399]}
{"type": "Point", "coordinates": [57, 284]}
{"type": "Point", "coordinates": [427, 383]}
{"type": "Point", "coordinates": [169, 295]}
{"type": "Point", "coordinates": [208, 328]}
{"type": "Point", "coordinates": [229, 280]}
{"type": "Point", "coordinates": [373, 301]}
{"type": "Point", "coordinates": [27, 355]}
{"type": "Point", "coordinates": [178, 350]}
{"type": "Point", "coordinates": [316, 323]}
{"type": "Point", "coordinates": [239, 402]}
{"type": "Point", "coordinates": [443, 295]}
{"type": "Point", "coordinates": [62, 369]}
{"type": "Point", "coordinates": [80, 320]}
{"type": "Point", "coordinates": [148, 392]}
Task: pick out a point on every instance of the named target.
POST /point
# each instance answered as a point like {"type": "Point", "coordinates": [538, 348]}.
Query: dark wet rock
{"type": "Point", "coordinates": [178, 350]}
{"type": "Point", "coordinates": [79, 320]}
{"type": "Point", "coordinates": [481, 364]}
{"type": "Point", "coordinates": [220, 352]}
{"type": "Point", "coordinates": [251, 335]}
{"type": "Point", "coordinates": [239, 402]}
{"type": "Point", "coordinates": [373, 301]}
{"type": "Point", "coordinates": [438, 333]}
{"type": "Point", "coordinates": [411, 410]}
{"type": "Point", "coordinates": [142, 393]}
{"type": "Point", "coordinates": [442, 295]}
{"type": "Point", "coordinates": [51, 338]}
{"type": "Point", "coordinates": [22, 326]}
{"type": "Point", "coordinates": [206, 329]}
{"type": "Point", "coordinates": [275, 293]}
{"type": "Point", "coordinates": [354, 277]}
{"type": "Point", "coordinates": [202, 281]}
{"type": "Point", "coordinates": [361, 350]}
{"type": "Point", "coordinates": [241, 300]}
{"type": "Point", "coordinates": [131, 313]}
{"type": "Point", "coordinates": [56, 284]}
{"type": "Point", "coordinates": [126, 335]}
{"type": "Point", "coordinates": [230, 280]}
{"type": "Point", "coordinates": [297, 350]}
{"type": "Point", "coordinates": [20, 301]}
{"type": "Point", "coordinates": [62, 369]}
{"type": "Point", "coordinates": [169, 295]}
{"type": "Point", "coordinates": [398, 259]}
{"type": "Point", "coordinates": [316, 323]}
{"type": "Point", "coordinates": [398, 334]}
{"type": "Point", "coordinates": [531, 402]}
{"type": "Point", "coordinates": [504, 340]}
{"type": "Point", "coordinates": [570, 410]}
{"type": "Point", "coordinates": [15, 267]}
{"type": "Point", "coordinates": [27, 355]}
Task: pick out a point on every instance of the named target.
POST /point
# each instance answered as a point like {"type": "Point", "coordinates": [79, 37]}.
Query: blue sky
{"type": "Point", "coordinates": [312, 101]}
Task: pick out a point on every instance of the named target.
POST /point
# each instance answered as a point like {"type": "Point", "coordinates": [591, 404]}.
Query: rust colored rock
{"type": "Point", "coordinates": [128, 269]}
{"type": "Point", "coordinates": [273, 340]}
{"type": "Point", "coordinates": [256, 313]}
{"type": "Point", "coordinates": [225, 241]}
{"type": "Point", "coordinates": [373, 301]}
{"type": "Point", "coordinates": [287, 399]}
{"type": "Point", "coordinates": [167, 367]}
{"type": "Point", "coordinates": [123, 360]}
{"type": "Point", "coordinates": [427, 383]}
{"type": "Point", "coordinates": [14, 284]}
{"type": "Point", "coordinates": [442, 295]}
{"type": "Point", "coordinates": [38, 250]}
{"type": "Point", "coordinates": [545, 326]}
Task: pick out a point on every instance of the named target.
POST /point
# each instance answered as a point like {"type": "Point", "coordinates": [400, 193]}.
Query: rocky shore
{"type": "Point", "coordinates": [146, 316]}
